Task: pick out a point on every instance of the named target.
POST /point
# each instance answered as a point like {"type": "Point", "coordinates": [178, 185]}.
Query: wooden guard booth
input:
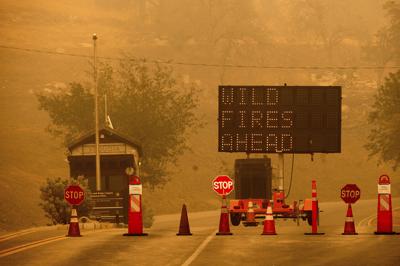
{"type": "Point", "coordinates": [117, 152]}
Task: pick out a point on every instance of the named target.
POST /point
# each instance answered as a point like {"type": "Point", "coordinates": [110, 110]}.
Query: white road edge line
{"type": "Point", "coordinates": [368, 220]}
{"type": "Point", "coordinates": [199, 249]}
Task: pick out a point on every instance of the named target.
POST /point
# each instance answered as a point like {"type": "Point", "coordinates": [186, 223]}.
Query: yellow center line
{"type": "Point", "coordinates": [16, 249]}
{"type": "Point", "coordinates": [16, 234]}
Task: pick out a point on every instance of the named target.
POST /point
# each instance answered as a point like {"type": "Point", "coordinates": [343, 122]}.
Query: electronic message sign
{"type": "Point", "coordinates": [279, 119]}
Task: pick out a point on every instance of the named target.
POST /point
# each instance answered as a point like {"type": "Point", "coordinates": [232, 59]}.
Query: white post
{"type": "Point", "coordinates": [105, 110]}
{"type": "Point", "coordinates": [280, 171]}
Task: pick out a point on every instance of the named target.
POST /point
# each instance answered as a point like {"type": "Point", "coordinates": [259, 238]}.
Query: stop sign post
{"type": "Point", "coordinates": [74, 194]}
{"type": "Point", "coordinates": [223, 185]}
{"type": "Point", "coordinates": [350, 193]}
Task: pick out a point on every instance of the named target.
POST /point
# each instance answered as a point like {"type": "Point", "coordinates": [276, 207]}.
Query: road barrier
{"type": "Point", "coordinates": [135, 212]}
{"type": "Point", "coordinates": [73, 229]}
{"type": "Point", "coordinates": [269, 223]}
{"type": "Point", "coordinates": [349, 227]}
{"type": "Point", "coordinates": [314, 210]}
{"type": "Point", "coordinates": [184, 228]}
{"type": "Point", "coordinates": [250, 216]}
{"type": "Point", "coordinates": [224, 219]}
{"type": "Point", "coordinates": [384, 225]}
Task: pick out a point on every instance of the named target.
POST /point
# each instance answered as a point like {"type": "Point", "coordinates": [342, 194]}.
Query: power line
{"type": "Point", "coordinates": [171, 62]}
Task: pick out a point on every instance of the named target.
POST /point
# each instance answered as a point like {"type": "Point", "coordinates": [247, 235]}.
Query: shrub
{"type": "Point", "coordinates": [52, 199]}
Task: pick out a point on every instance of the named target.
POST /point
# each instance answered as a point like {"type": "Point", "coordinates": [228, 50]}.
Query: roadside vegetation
{"type": "Point", "coordinates": [52, 199]}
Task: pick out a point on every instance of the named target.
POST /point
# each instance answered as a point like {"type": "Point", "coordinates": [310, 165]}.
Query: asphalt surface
{"type": "Point", "coordinates": [245, 247]}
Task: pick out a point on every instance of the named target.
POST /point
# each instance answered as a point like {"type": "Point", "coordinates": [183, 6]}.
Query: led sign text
{"type": "Point", "coordinates": [270, 119]}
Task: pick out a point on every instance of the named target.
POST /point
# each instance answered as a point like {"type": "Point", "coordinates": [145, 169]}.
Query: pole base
{"type": "Point", "coordinates": [143, 234]}
{"type": "Point", "coordinates": [310, 234]}
{"type": "Point", "coordinates": [74, 236]}
{"type": "Point", "coordinates": [223, 233]}
{"type": "Point", "coordinates": [386, 233]}
{"type": "Point", "coordinates": [187, 234]}
{"type": "Point", "coordinates": [268, 234]}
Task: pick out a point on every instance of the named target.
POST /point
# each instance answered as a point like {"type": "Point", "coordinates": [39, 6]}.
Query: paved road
{"type": "Point", "coordinates": [245, 247]}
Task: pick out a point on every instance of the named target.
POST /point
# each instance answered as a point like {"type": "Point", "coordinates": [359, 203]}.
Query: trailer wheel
{"type": "Point", "coordinates": [235, 218]}
{"type": "Point", "coordinates": [309, 217]}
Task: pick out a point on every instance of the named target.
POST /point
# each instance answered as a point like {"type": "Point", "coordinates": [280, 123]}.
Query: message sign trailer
{"type": "Point", "coordinates": [253, 187]}
{"type": "Point", "coordinates": [279, 119]}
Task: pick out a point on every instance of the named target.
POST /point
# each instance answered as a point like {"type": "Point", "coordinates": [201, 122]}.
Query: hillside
{"type": "Point", "coordinates": [28, 154]}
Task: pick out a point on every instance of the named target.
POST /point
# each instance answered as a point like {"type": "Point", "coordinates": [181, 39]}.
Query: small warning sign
{"type": "Point", "coordinates": [135, 189]}
{"type": "Point", "coordinates": [384, 189]}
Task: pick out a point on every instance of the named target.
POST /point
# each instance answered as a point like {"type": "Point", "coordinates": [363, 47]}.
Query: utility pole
{"type": "Point", "coordinates": [96, 115]}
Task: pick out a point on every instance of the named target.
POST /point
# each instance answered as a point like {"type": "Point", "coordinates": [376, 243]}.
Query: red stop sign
{"type": "Point", "coordinates": [223, 185]}
{"type": "Point", "coordinates": [74, 195]}
{"type": "Point", "coordinates": [350, 193]}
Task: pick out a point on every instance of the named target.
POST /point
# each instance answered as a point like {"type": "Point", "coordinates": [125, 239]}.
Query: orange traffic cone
{"type": "Point", "coordinates": [73, 229]}
{"type": "Point", "coordinates": [250, 216]}
{"type": "Point", "coordinates": [184, 229]}
{"type": "Point", "coordinates": [224, 220]}
{"type": "Point", "coordinates": [269, 223]}
{"type": "Point", "coordinates": [349, 227]}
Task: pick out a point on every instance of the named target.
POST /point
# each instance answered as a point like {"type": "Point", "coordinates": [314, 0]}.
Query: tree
{"type": "Point", "coordinates": [70, 111]}
{"type": "Point", "coordinates": [379, 52]}
{"type": "Point", "coordinates": [53, 203]}
{"type": "Point", "coordinates": [385, 48]}
{"type": "Point", "coordinates": [384, 118]}
{"type": "Point", "coordinates": [393, 30]}
{"type": "Point", "coordinates": [321, 27]}
{"type": "Point", "coordinates": [146, 103]}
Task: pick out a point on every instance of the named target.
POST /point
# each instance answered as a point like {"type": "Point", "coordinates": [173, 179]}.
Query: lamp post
{"type": "Point", "coordinates": [96, 114]}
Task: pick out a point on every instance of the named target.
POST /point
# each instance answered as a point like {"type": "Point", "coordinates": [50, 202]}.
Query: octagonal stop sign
{"type": "Point", "coordinates": [350, 193]}
{"type": "Point", "coordinates": [223, 185]}
{"type": "Point", "coordinates": [74, 195]}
